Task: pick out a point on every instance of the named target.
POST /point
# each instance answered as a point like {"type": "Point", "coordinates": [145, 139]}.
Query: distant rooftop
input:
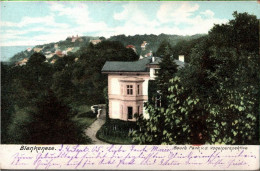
{"type": "Point", "coordinates": [134, 66]}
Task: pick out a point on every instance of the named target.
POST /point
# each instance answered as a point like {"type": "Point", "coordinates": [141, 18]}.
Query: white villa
{"type": "Point", "coordinates": [128, 85]}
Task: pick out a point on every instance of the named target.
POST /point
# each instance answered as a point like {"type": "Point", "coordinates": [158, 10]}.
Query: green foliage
{"type": "Point", "coordinates": [153, 41]}
{"type": "Point", "coordinates": [167, 69]}
{"type": "Point", "coordinates": [86, 72]}
{"type": "Point", "coordinates": [215, 99]}
{"type": "Point", "coordinates": [185, 47]}
{"type": "Point", "coordinates": [7, 104]}
{"type": "Point", "coordinates": [164, 48]}
{"type": "Point", "coordinates": [152, 91]}
{"type": "Point", "coordinates": [63, 87]}
{"type": "Point", "coordinates": [52, 123]}
{"type": "Point", "coordinates": [36, 59]}
{"type": "Point", "coordinates": [88, 114]}
{"type": "Point", "coordinates": [116, 131]}
{"type": "Point", "coordinates": [152, 131]}
{"type": "Point", "coordinates": [73, 83]}
{"type": "Point", "coordinates": [46, 122]}
{"type": "Point", "coordinates": [16, 131]}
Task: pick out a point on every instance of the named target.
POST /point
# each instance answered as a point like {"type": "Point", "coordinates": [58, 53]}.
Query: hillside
{"type": "Point", "coordinates": [55, 49]}
{"type": "Point", "coordinates": [152, 41]}
{"type": "Point", "coordinates": [142, 44]}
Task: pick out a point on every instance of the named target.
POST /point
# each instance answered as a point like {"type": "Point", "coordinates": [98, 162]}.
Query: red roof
{"type": "Point", "coordinates": [130, 46]}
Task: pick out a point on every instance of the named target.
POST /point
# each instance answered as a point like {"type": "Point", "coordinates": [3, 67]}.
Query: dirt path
{"type": "Point", "coordinates": [92, 130]}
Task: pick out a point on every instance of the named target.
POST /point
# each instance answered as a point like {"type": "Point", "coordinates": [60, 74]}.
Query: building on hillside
{"type": "Point", "coordinates": [74, 38]}
{"type": "Point", "coordinates": [56, 46]}
{"type": "Point", "coordinates": [59, 53]}
{"type": "Point", "coordinates": [53, 61]}
{"type": "Point", "coordinates": [80, 39]}
{"type": "Point", "coordinates": [149, 54]}
{"type": "Point", "coordinates": [128, 86]}
{"type": "Point", "coordinates": [48, 54]}
{"type": "Point", "coordinates": [37, 49]}
{"type": "Point", "coordinates": [143, 45]}
{"type": "Point", "coordinates": [94, 42]}
{"type": "Point", "coordinates": [64, 52]}
{"type": "Point", "coordinates": [69, 49]}
{"type": "Point", "coordinates": [22, 62]}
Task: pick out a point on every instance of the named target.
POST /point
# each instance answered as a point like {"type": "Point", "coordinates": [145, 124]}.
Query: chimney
{"type": "Point", "coordinates": [181, 58]}
{"type": "Point", "coordinates": [153, 59]}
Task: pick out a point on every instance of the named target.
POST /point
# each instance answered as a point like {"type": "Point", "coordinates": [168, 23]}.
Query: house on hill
{"type": "Point", "coordinates": [37, 49]}
{"type": "Point", "coordinates": [143, 45]}
{"type": "Point", "coordinates": [74, 38]}
{"type": "Point", "coordinates": [22, 62]}
{"type": "Point", "coordinates": [56, 46]}
{"type": "Point", "coordinates": [128, 86]}
{"type": "Point", "coordinates": [59, 53]}
{"type": "Point", "coordinates": [148, 54]}
{"type": "Point", "coordinates": [94, 42]}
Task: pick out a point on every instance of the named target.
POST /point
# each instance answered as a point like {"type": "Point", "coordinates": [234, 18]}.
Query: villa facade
{"type": "Point", "coordinates": [128, 86]}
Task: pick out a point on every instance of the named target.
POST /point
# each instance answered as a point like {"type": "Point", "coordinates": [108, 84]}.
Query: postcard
{"type": "Point", "coordinates": [159, 85]}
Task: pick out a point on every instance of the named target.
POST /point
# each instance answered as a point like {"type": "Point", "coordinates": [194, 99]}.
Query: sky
{"type": "Point", "coordinates": [35, 23]}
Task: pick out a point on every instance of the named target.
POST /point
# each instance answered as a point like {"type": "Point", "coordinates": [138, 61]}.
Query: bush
{"type": "Point", "coordinates": [116, 131]}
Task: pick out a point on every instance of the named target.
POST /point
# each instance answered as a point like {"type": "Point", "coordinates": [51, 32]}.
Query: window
{"type": "Point", "coordinates": [156, 71]}
{"type": "Point", "coordinates": [138, 109]}
{"type": "Point", "coordinates": [129, 89]}
{"type": "Point", "coordinates": [138, 89]}
{"type": "Point", "coordinates": [130, 112]}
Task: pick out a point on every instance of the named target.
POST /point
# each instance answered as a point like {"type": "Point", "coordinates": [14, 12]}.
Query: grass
{"type": "Point", "coordinates": [116, 132]}
{"type": "Point", "coordinates": [84, 122]}
{"type": "Point", "coordinates": [83, 108]}
{"type": "Point", "coordinates": [84, 117]}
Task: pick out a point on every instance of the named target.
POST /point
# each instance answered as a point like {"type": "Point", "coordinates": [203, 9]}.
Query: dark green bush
{"type": "Point", "coordinates": [117, 131]}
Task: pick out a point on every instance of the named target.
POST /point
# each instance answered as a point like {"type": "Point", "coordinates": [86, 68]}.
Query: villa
{"type": "Point", "coordinates": [128, 85]}
{"type": "Point", "coordinates": [143, 45]}
{"type": "Point", "coordinates": [94, 42]}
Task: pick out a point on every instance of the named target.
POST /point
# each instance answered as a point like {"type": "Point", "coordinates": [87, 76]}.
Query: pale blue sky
{"type": "Point", "coordinates": [32, 23]}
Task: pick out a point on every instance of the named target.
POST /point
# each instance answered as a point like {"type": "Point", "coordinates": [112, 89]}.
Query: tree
{"type": "Point", "coordinates": [36, 59]}
{"type": "Point", "coordinates": [7, 107]}
{"type": "Point", "coordinates": [48, 122]}
{"type": "Point", "coordinates": [167, 69]}
{"type": "Point", "coordinates": [38, 72]}
{"type": "Point", "coordinates": [152, 130]}
{"type": "Point", "coordinates": [215, 99]}
{"type": "Point", "coordinates": [87, 76]}
{"type": "Point", "coordinates": [63, 87]}
{"type": "Point", "coordinates": [164, 48]}
{"type": "Point", "coordinates": [237, 77]}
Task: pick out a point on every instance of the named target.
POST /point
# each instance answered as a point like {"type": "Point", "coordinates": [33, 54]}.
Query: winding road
{"type": "Point", "coordinates": [92, 130]}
